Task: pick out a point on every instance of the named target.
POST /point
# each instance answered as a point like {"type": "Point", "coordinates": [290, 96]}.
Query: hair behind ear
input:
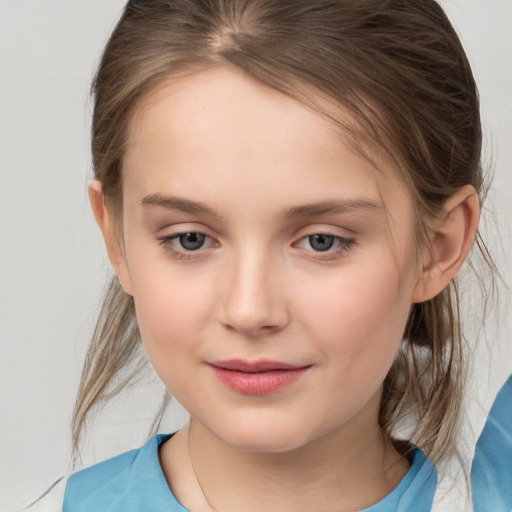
{"type": "Point", "coordinates": [427, 376]}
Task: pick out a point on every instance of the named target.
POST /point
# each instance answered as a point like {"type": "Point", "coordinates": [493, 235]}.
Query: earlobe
{"type": "Point", "coordinates": [106, 224]}
{"type": "Point", "coordinates": [452, 236]}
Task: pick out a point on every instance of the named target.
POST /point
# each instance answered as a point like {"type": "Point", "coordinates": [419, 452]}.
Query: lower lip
{"type": "Point", "coordinates": [258, 383]}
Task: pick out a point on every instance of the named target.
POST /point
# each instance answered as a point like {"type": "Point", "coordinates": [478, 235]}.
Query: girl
{"type": "Point", "coordinates": [286, 191]}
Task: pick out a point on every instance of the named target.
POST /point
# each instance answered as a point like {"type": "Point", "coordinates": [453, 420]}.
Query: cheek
{"type": "Point", "coordinates": [172, 311]}
{"type": "Point", "coordinates": [359, 319]}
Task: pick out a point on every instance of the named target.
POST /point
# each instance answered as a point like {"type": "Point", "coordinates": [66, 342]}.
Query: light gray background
{"type": "Point", "coordinates": [52, 262]}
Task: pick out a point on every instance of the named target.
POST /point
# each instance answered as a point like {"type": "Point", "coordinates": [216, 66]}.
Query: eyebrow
{"type": "Point", "coordinates": [180, 204]}
{"type": "Point", "coordinates": [329, 207]}
{"type": "Point", "coordinates": [333, 207]}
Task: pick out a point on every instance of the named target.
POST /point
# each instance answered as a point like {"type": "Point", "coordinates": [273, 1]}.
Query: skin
{"type": "Point", "coordinates": [259, 290]}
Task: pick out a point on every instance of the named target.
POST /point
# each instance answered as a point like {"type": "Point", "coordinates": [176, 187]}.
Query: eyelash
{"type": "Point", "coordinates": [343, 245]}
{"type": "Point", "coordinates": [167, 242]}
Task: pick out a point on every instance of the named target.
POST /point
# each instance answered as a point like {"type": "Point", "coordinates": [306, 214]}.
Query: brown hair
{"type": "Point", "coordinates": [396, 65]}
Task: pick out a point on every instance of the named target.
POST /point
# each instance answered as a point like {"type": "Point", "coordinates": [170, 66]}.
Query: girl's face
{"type": "Point", "coordinates": [272, 286]}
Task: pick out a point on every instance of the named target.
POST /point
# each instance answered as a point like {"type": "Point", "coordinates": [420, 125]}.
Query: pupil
{"type": "Point", "coordinates": [192, 241]}
{"type": "Point", "coordinates": [321, 242]}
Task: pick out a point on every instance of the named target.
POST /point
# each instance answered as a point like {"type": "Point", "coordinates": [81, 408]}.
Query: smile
{"type": "Point", "coordinates": [257, 378]}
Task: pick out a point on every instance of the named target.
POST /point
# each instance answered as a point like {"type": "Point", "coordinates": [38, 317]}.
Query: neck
{"type": "Point", "coordinates": [345, 470]}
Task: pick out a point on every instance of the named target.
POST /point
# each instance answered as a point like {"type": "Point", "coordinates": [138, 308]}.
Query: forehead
{"type": "Point", "coordinates": [200, 132]}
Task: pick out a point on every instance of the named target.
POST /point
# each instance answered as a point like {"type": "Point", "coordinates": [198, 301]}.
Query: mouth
{"type": "Point", "coordinates": [257, 377]}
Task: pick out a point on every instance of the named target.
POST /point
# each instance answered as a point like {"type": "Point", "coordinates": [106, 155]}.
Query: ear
{"type": "Point", "coordinates": [105, 222]}
{"type": "Point", "coordinates": [451, 238]}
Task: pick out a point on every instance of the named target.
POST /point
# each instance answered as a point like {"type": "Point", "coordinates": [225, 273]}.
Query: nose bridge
{"type": "Point", "coordinates": [253, 300]}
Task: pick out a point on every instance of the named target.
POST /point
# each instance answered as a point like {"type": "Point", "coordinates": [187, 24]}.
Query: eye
{"type": "Point", "coordinates": [321, 242]}
{"type": "Point", "coordinates": [184, 245]}
{"type": "Point", "coordinates": [325, 243]}
{"type": "Point", "coordinates": [191, 241]}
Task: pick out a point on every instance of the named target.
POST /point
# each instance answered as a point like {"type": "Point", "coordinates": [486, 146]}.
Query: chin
{"type": "Point", "coordinates": [261, 438]}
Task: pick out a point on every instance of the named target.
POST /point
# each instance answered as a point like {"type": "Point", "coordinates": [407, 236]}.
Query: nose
{"type": "Point", "coordinates": [254, 298]}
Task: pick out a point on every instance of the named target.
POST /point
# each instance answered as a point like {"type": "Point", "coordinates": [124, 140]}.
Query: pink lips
{"type": "Point", "coordinates": [258, 377]}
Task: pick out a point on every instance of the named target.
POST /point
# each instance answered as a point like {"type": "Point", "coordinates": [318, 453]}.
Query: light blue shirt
{"type": "Point", "coordinates": [491, 474]}
{"type": "Point", "coordinates": [134, 482]}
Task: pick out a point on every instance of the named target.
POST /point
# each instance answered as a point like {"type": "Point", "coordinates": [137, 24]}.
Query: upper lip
{"type": "Point", "coordinates": [255, 366]}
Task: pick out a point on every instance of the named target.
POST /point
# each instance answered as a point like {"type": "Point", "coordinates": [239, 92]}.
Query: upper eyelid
{"type": "Point", "coordinates": [325, 229]}
{"type": "Point", "coordinates": [173, 236]}
{"type": "Point", "coordinates": [340, 238]}
{"type": "Point", "coordinates": [173, 230]}
{"type": "Point", "coordinates": [314, 226]}
{"type": "Point", "coordinates": [298, 235]}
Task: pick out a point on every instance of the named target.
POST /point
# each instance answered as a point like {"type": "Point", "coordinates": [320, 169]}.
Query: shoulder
{"type": "Point", "coordinates": [491, 473]}
{"type": "Point", "coordinates": [118, 483]}
{"type": "Point", "coordinates": [86, 481]}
